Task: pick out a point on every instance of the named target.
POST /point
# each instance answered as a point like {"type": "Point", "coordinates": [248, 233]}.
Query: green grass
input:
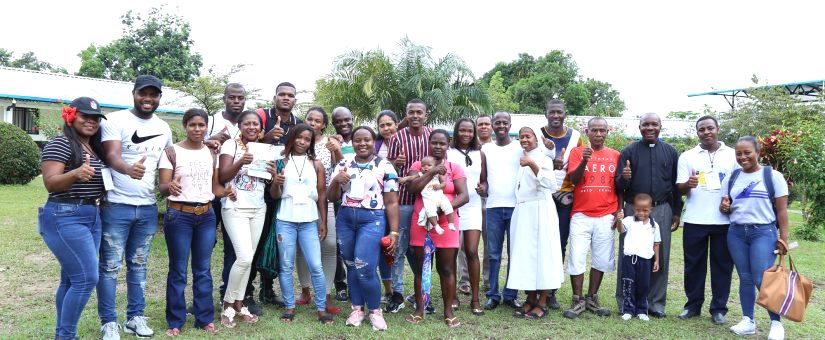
{"type": "Point", "coordinates": [29, 274]}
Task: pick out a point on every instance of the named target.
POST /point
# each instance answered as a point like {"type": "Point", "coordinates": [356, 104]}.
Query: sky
{"type": "Point", "coordinates": [654, 53]}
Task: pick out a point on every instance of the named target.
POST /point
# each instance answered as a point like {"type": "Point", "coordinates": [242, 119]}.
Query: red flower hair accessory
{"type": "Point", "coordinates": [69, 114]}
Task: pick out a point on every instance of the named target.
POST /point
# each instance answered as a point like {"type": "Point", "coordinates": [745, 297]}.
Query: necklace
{"type": "Point", "coordinates": [303, 165]}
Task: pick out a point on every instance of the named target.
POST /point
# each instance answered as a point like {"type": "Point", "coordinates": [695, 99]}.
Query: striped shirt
{"type": "Point", "coordinates": [415, 148]}
{"type": "Point", "coordinates": [60, 150]}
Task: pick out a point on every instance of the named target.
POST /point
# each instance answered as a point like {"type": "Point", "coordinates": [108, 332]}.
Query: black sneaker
{"type": "Point", "coordinates": [341, 295]}
{"type": "Point", "coordinates": [552, 302]}
{"type": "Point", "coordinates": [395, 304]}
{"type": "Point", "coordinates": [269, 296]}
{"type": "Point", "coordinates": [249, 303]}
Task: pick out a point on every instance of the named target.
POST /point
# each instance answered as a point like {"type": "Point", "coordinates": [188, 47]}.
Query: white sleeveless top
{"type": "Point", "coordinates": [470, 213]}
{"type": "Point", "coordinates": [299, 195]}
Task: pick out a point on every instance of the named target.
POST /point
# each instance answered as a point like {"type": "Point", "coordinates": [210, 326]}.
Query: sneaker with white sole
{"type": "Point", "coordinates": [377, 320]}
{"type": "Point", "coordinates": [110, 331]}
{"type": "Point", "coordinates": [643, 317]}
{"type": "Point", "coordinates": [137, 326]}
{"type": "Point", "coordinates": [626, 317]}
{"type": "Point", "coordinates": [745, 327]}
{"type": "Point", "coordinates": [356, 317]}
{"type": "Point", "coordinates": [777, 331]}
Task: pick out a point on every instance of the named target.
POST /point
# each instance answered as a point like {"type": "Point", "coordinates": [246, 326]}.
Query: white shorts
{"type": "Point", "coordinates": [595, 234]}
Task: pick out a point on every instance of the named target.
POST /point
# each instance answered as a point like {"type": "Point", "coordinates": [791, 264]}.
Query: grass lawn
{"type": "Point", "coordinates": [29, 275]}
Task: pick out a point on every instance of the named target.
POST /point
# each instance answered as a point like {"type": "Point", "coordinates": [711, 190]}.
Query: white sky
{"type": "Point", "coordinates": [653, 52]}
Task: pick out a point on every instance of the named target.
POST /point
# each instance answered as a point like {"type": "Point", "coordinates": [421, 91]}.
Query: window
{"type": "Point", "coordinates": [24, 118]}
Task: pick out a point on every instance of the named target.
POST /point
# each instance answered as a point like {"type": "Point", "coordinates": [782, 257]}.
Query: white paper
{"type": "Point", "coordinates": [106, 173]}
{"type": "Point", "coordinates": [712, 180]}
{"type": "Point", "coordinates": [262, 153]}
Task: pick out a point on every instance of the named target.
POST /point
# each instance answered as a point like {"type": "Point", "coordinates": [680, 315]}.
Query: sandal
{"type": "Point", "coordinates": [211, 329]}
{"type": "Point", "coordinates": [247, 316]}
{"type": "Point", "coordinates": [452, 322]}
{"type": "Point", "coordinates": [172, 332]}
{"type": "Point", "coordinates": [456, 304]}
{"type": "Point", "coordinates": [526, 308]}
{"type": "Point", "coordinates": [326, 319]}
{"type": "Point", "coordinates": [287, 316]}
{"type": "Point", "coordinates": [414, 319]}
{"type": "Point", "coordinates": [228, 318]}
{"type": "Point", "coordinates": [533, 316]}
{"type": "Point", "coordinates": [476, 311]}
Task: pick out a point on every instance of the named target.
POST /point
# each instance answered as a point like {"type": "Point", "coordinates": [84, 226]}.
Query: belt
{"type": "Point", "coordinates": [192, 208]}
{"type": "Point", "coordinates": [81, 201]}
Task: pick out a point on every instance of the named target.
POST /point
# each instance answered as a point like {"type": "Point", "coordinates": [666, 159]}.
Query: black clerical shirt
{"type": "Point", "coordinates": [653, 172]}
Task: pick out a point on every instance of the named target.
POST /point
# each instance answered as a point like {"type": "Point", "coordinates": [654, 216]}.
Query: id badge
{"type": "Point", "coordinates": [712, 181]}
{"type": "Point", "coordinates": [356, 189]}
{"type": "Point", "coordinates": [106, 174]}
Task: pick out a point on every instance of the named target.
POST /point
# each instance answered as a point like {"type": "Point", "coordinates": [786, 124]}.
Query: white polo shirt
{"type": "Point", "coordinates": [702, 204]}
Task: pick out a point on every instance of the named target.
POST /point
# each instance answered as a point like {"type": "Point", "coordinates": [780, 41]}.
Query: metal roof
{"type": "Point", "coordinates": [812, 88]}
{"type": "Point", "coordinates": [41, 86]}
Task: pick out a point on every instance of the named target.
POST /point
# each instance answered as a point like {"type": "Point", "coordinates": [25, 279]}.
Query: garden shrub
{"type": "Point", "coordinates": [19, 154]}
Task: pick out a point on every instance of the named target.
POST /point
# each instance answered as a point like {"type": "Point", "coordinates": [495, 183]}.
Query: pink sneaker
{"type": "Point", "coordinates": [356, 317]}
{"type": "Point", "coordinates": [377, 320]}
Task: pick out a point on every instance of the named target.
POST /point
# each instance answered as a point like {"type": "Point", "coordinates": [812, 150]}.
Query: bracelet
{"type": "Point", "coordinates": [394, 233]}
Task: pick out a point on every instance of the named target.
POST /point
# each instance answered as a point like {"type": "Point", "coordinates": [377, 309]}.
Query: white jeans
{"type": "Point", "coordinates": [244, 227]}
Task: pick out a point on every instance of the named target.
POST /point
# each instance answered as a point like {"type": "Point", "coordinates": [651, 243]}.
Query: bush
{"type": "Point", "coordinates": [20, 155]}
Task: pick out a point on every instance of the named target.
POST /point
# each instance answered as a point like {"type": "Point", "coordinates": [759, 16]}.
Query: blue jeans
{"type": "Point", "coordinates": [498, 226]}
{"type": "Point", "coordinates": [128, 231]}
{"type": "Point", "coordinates": [306, 234]}
{"type": "Point", "coordinates": [403, 248]}
{"type": "Point", "coordinates": [72, 233]}
{"type": "Point", "coordinates": [751, 246]}
{"type": "Point", "coordinates": [186, 234]}
{"type": "Point", "coordinates": [359, 234]}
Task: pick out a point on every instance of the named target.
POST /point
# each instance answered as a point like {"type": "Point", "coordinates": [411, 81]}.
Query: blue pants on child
{"type": "Point", "coordinates": [635, 284]}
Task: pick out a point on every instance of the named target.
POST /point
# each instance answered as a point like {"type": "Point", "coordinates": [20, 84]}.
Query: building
{"type": "Point", "coordinates": [27, 97]}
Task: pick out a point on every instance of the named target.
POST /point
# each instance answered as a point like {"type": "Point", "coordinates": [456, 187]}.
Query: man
{"type": "Point", "coordinates": [484, 130]}
{"type": "Point", "coordinates": [649, 166]}
{"type": "Point", "coordinates": [133, 141]}
{"type": "Point", "coordinates": [563, 139]}
{"type": "Point", "coordinates": [699, 176]}
{"type": "Point", "coordinates": [501, 200]}
{"type": "Point", "coordinates": [341, 145]}
{"type": "Point", "coordinates": [277, 122]}
{"type": "Point", "coordinates": [592, 169]}
{"type": "Point", "coordinates": [407, 146]}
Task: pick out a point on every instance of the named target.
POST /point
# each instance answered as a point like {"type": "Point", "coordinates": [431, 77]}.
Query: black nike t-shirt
{"type": "Point", "coordinates": [138, 138]}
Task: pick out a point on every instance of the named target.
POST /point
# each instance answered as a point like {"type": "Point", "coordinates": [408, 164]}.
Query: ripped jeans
{"type": "Point", "coordinates": [359, 233]}
{"type": "Point", "coordinates": [127, 234]}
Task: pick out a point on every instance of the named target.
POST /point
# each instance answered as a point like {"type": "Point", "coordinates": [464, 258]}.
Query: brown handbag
{"type": "Point", "coordinates": [784, 291]}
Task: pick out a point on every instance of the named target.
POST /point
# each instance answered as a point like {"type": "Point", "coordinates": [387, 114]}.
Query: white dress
{"type": "Point", "coordinates": [535, 256]}
{"type": "Point", "coordinates": [469, 214]}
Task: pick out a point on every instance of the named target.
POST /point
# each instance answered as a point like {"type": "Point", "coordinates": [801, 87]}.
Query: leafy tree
{"type": "Point", "coordinates": [500, 99]}
{"type": "Point", "coordinates": [157, 43]}
{"type": "Point", "coordinates": [369, 81]}
{"type": "Point", "coordinates": [207, 90]}
{"type": "Point", "coordinates": [683, 115]}
{"type": "Point", "coordinates": [28, 61]}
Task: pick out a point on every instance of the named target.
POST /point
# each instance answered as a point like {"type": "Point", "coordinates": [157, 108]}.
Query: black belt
{"type": "Point", "coordinates": [81, 201]}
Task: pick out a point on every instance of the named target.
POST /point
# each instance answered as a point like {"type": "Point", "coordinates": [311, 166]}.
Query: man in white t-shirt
{"type": "Point", "coordinates": [133, 141]}
{"type": "Point", "coordinates": [223, 125]}
{"type": "Point", "coordinates": [501, 200]}
{"type": "Point", "coordinates": [700, 172]}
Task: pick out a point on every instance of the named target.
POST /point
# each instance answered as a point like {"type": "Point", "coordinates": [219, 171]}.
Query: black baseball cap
{"type": "Point", "coordinates": [146, 80]}
{"type": "Point", "coordinates": [88, 106]}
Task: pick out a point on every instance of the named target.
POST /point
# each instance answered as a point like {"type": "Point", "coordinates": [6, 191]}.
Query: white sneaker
{"type": "Point", "coordinates": [110, 331]}
{"type": "Point", "coordinates": [745, 327]}
{"type": "Point", "coordinates": [777, 331]}
{"type": "Point", "coordinates": [643, 317]}
{"type": "Point", "coordinates": [137, 326]}
{"type": "Point", "coordinates": [626, 317]}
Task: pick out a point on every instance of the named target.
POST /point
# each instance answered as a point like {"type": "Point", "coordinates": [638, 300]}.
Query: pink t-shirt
{"type": "Point", "coordinates": [450, 239]}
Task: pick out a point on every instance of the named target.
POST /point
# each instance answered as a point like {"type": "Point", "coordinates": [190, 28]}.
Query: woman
{"type": "Point", "coordinates": [466, 151]}
{"type": "Point", "coordinates": [446, 243]}
{"type": "Point", "coordinates": [328, 154]}
{"type": "Point", "coordinates": [301, 217]}
{"type": "Point", "coordinates": [752, 236]}
{"type": "Point", "coordinates": [387, 123]}
{"type": "Point", "coordinates": [368, 189]}
{"type": "Point", "coordinates": [535, 256]}
{"type": "Point", "coordinates": [187, 175]}
{"type": "Point", "coordinates": [243, 217]}
{"type": "Point", "coordinates": [69, 222]}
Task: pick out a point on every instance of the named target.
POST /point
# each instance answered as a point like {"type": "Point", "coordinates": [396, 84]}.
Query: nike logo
{"type": "Point", "coordinates": [138, 140]}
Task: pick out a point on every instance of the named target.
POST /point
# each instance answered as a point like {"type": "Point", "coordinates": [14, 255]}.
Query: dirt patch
{"type": "Point", "coordinates": [40, 259]}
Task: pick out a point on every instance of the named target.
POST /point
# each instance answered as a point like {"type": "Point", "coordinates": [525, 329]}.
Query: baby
{"type": "Point", "coordinates": [641, 256]}
{"type": "Point", "coordinates": [434, 198]}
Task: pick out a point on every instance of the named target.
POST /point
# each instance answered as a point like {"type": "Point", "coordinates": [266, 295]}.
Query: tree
{"type": "Point", "coordinates": [500, 99]}
{"type": "Point", "coordinates": [683, 115]}
{"type": "Point", "coordinates": [369, 81]}
{"type": "Point", "coordinates": [207, 90]}
{"type": "Point", "coordinates": [157, 44]}
{"type": "Point", "coordinates": [28, 61]}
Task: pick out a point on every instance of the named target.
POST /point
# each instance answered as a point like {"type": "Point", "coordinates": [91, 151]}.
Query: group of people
{"type": "Point", "coordinates": [347, 209]}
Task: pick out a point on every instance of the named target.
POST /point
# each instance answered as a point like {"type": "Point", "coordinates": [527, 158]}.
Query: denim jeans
{"type": "Point", "coordinates": [402, 249]}
{"type": "Point", "coordinates": [498, 226]}
{"type": "Point", "coordinates": [186, 234]}
{"type": "Point", "coordinates": [359, 237]}
{"type": "Point", "coordinates": [128, 231]}
{"type": "Point", "coordinates": [72, 233]}
{"type": "Point", "coordinates": [290, 234]}
{"type": "Point", "coordinates": [751, 246]}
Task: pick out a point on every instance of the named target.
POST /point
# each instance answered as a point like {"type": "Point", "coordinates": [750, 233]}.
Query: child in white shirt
{"type": "Point", "coordinates": [433, 198]}
{"type": "Point", "coordinates": [641, 243]}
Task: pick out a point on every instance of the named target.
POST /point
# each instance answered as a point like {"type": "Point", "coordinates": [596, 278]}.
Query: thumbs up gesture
{"type": "Point", "coordinates": [626, 172]}
{"type": "Point", "coordinates": [276, 133]}
{"type": "Point", "coordinates": [724, 207]}
{"type": "Point", "coordinates": [85, 171]}
{"type": "Point", "coordinates": [334, 143]}
{"type": "Point", "coordinates": [548, 143]}
{"type": "Point", "coordinates": [525, 159]}
{"type": "Point", "coordinates": [279, 178]}
{"type": "Point", "coordinates": [558, 162]}
{"type": "Point", "coordinates": [401, 159]}
{"type": "Point", "coordinates": [137, 170]}
{"type": "Point", "coordinates": [175, 186]}
{"type": "Point", "coordinates": [587, 152]}
{"type": "Point", "coordinates": [693, 181]}
{"type": "Point", "coordinates": [342, 178]}
{"type": "Point", "coordinates": [247, 158]}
